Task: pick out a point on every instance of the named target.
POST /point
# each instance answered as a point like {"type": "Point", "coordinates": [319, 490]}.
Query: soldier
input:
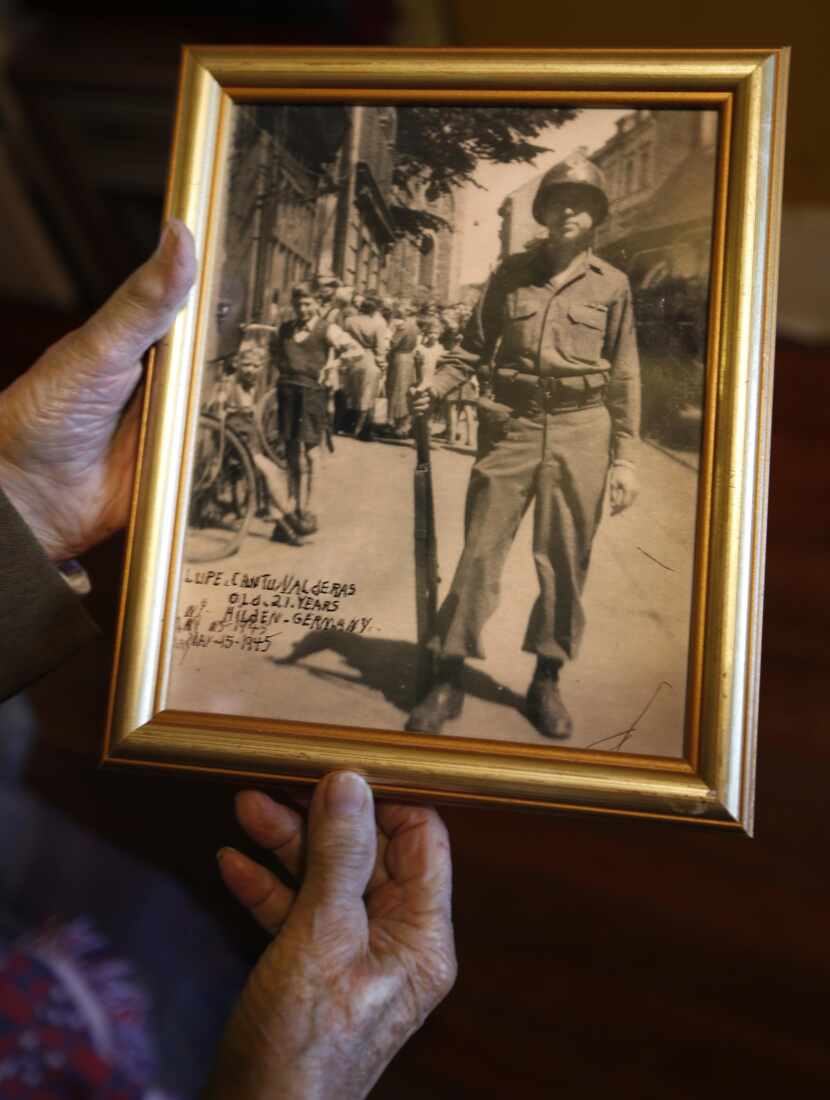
{"type": "Point", "coordinates": [554, 330]}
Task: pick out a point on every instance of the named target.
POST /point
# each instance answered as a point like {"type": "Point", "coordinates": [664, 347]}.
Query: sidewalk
{"type": "Point", "coordinates": [637, 603]}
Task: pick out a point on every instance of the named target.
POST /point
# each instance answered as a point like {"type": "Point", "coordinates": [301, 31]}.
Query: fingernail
{"type": "Point", "coordinates": [169, 237]}
{"type": "Point", "coordinates": [265, 808]}
{"type": "Point", "coordinates": [346, 793]}
{"type": "Point", "coordinates": [220, 855]}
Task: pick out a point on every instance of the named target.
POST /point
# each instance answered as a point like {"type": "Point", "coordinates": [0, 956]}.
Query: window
{"type": "Point", "coordinates": [645, 166]}
{"type": "Point", "coordinates": [426, 266]}
{"type": "Point", "coordinates": [613, 180]}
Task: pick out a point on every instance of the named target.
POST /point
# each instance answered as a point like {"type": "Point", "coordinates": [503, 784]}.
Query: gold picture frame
{"type": "Point", "coordinates": [712, 780]}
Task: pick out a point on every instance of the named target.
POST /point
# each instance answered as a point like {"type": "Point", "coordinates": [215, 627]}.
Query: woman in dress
{"type": "Point", "coordinates": [401, 377]}
{"type": "Point", "coordinates": [368, 329]}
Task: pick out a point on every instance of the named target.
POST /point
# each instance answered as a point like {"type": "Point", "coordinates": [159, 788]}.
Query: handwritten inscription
{"type": "Point", "coordinates": [250, 610]}
{"type": "Point", "coordinates": [288, 584]}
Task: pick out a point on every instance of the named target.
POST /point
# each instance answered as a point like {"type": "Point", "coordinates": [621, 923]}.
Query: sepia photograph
{"type": "Point", "coordinates": [445, 470]}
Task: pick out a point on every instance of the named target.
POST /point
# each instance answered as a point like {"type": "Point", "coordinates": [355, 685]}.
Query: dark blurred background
{"type": "Point", "coordinates": [596, 955]}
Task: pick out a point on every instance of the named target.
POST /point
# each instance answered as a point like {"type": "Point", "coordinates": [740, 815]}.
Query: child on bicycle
{"type": "Point", "coordinates": [236, 399]}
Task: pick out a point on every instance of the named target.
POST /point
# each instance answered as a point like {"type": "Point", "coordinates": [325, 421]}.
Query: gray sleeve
{"type": "Point", "coordinates": [41, 620]}
{"type": "Point", "coordinates": [623, 395]}
{"type": "Point", "coordinates": [486, 323]}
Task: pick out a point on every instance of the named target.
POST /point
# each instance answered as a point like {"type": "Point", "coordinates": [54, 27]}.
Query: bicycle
{"type": "Point", "coordinates": [224, 492]}
{"type": "Point", "coordinates": [267, 427]}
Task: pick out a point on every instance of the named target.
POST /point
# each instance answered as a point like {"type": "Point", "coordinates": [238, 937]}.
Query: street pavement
{"type": "Point", "coordinates": [328, 634]}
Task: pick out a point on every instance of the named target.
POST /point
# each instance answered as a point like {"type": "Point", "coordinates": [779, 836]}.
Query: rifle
{"type": "Point", "coordinates": [426, 553]}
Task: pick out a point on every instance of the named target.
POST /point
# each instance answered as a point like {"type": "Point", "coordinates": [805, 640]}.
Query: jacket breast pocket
{"type": "Point", "coordinates": [586, 331]}
{"type": "Point", "coordinates": [521, 322]}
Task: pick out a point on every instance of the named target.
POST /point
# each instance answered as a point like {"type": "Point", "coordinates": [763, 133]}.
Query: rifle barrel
{"type": "Point", "coordinates": [426, 560]}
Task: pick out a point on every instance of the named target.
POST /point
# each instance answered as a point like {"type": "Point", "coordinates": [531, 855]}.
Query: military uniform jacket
{"type": "Point", "coordinates": [576, 327]}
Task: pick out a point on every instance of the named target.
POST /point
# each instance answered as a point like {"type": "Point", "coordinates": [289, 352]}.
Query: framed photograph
{"type": "Point", "coordinates": [454, 467]}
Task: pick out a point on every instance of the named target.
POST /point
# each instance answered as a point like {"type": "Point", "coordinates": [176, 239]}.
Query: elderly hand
{"type": "Point", "coordinates": [66, 454]}
{"type": "Point", "coordinates": [363, 949]}
{"type": "Point", "coordinates": [623, 488]}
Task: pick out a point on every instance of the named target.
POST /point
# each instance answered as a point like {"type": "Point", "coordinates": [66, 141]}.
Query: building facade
{"type": "Point", "coordinates": [659, 168]}
{"type": "Point", "coordinates": [307, 192]}
{"type": "Point", "coordinates": [660, 172]}
{"type": "Point", "coordinates": [277, 170]}
{"type": "Point", "coordinates": [357, 230]}
{"type": "Point", "coordinates": [429, 271]}
{"type": "Point", "coordinates": [310, 191]}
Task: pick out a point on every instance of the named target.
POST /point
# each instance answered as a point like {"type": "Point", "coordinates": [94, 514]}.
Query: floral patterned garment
{"type": "Point", "coordinates": [74, 1022]}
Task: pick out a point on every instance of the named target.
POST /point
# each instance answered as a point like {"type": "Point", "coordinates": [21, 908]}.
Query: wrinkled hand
{"type": "Point", "coordinates": [363, 948]}
{"type": "Point", "coordinates": [66, 455]}
{"type": "Point", "coordinates": [623, 488]}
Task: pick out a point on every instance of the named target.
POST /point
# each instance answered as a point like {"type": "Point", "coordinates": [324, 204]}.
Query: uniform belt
{"type": "Point", "coordinates": [528, 393]}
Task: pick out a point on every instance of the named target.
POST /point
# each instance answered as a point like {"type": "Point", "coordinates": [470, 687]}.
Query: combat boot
{"type": "Point", "coordinates": [443, 702]}
{"type": "Point", "coordinates": [545, 708]}
{"type": "Point", "coordinates": [305, 523]}
{"type": "Point", "coordinates": [285, 530]}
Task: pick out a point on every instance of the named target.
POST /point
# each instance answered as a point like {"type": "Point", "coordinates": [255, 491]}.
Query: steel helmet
{"type": "Point", "coordinates": [578, 172]}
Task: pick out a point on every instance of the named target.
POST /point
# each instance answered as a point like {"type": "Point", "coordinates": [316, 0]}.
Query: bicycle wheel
{"type": "Point", "coordinates": [268, 427]}
{"type": "Point", "coordinates": [223, 495]}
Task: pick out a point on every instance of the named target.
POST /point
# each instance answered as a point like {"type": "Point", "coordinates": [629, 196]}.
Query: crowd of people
{"type": "Point", "coordinates": [401, 345]}
{"type": "Point", "coordinates": [339, 361]}
{"type": "Point", "coordinates": [408, 342]}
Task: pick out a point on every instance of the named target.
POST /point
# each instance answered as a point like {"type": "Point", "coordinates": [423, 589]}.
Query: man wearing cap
{"type": "Point", "coordinates": [326, 286]}
{"type": "Point", "coordinates": [553, 333]}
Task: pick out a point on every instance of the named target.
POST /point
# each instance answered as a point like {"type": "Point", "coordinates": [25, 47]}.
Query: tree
{"type": "Point", "coordinates": [439, 148]}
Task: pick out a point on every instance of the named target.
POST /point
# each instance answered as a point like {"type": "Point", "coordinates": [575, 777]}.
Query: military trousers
{"type": "Point", "coordinates": [557, 463]}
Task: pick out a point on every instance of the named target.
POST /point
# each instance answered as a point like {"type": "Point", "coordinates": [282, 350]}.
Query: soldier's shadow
{"type": "Point", "coordinates": [388, 666]}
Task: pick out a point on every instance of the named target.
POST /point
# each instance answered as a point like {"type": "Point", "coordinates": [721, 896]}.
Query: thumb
{"type": "Point", "coordinates": [141, 310]}
{"type": "Point", "coordinates": [341, 845]}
